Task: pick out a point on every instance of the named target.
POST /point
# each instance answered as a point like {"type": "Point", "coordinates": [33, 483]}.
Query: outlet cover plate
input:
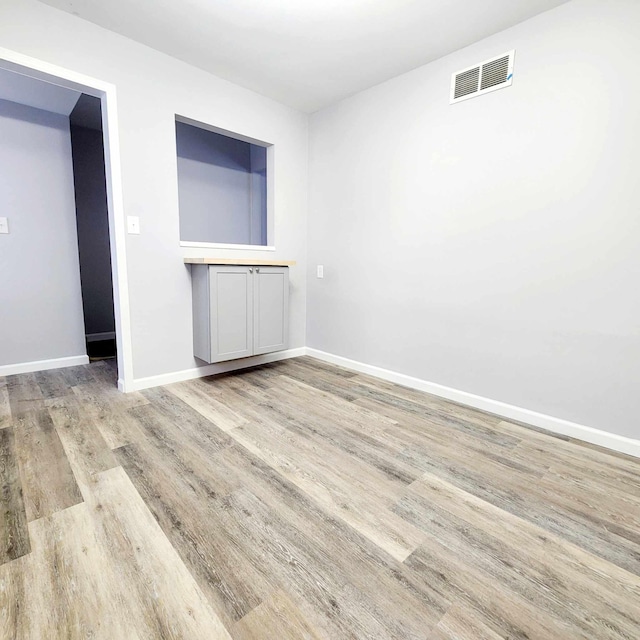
{"type": "Point", "coordinates": [133, 224]}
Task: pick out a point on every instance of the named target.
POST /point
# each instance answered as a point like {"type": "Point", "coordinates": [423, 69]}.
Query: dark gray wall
{"type": "Point", "coordinates": [259, 194]}
{"type": "Point", "coordinates": [40, 302]}
{"type": "Point", "coordinates": [93, 229]}
{"type": "Point", "coordinates": [87, 113]}
{"type": "Point", "coordinates": [222, 188]}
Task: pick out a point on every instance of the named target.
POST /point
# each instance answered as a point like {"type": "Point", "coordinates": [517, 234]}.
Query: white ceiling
{"type": "Point", "coordinates": [306, 53]}
{"type": "Point", "coordinates": [36, 93]}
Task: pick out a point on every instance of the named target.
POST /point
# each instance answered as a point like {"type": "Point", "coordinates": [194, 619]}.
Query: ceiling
{"type": "Point", "coordinates": [36, 93]}
{"type": "Point", "coordinates": [306, 53]}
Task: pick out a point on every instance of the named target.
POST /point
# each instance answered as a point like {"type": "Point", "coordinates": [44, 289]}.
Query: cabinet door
{"type": "Point", "coordinates": [270, 309]}
{"type": "Point", "coordinates": [231, 300]}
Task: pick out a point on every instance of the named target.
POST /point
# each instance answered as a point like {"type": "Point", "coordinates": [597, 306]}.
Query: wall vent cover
{"type": "Point", "coordinates": [492, 74]}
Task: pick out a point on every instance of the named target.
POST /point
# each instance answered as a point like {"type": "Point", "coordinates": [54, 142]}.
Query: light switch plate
{"type": "Point", "coordinates": [4, 225]}
{"type": "Point", "coordinates": [133, 224]}
{"type": "Point", "coordinates": [320, 271]}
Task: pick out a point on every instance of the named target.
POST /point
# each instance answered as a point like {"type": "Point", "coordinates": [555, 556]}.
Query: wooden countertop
{"type": "Point", "coordinates": [242, 262]}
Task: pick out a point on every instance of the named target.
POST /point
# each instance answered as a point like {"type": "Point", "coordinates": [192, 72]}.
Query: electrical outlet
{"type": "Point", "coordinates": [4, 225]}
{"type": "Point", "coordinates": [133, 224]}
{"type": "Point", "coordinates": [320, 271]}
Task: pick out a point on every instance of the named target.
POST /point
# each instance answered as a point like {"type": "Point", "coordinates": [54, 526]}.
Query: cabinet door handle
{"type": "Point", "coordinates": [257, 269]}
{"type": "Point", "coordinates": [250, 269]}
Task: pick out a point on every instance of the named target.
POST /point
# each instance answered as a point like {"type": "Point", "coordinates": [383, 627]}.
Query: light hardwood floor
{"type": "Point", "coordinates": [301, 500]}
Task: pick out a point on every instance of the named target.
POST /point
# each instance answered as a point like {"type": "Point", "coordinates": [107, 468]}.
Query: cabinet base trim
{"type": "Point", "coordinates": [42, 365]}
{"type": "Point", "coordinates": [209, 370]}
{"type": "Point", "coordinates": [554, 425]}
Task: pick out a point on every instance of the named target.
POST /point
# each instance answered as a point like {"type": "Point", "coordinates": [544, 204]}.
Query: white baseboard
{"type": "Point", "coordinates": [105, 335]}
{"type": "Point", "coordinates": [612, 441]}
{"type": "Point", "coordinates": [42, 365]}
{"type": "Point", "coordinates": [555, 425]}
{"type": "Point", "coordinates": [209, 370]}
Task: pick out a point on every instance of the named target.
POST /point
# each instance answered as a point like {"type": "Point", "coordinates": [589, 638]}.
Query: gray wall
{"type": "Point", "coordinates": [222, 188]}
{"type": "Point", "coordinates": [93, 229]}
{"type": "Point", "coordinates": [151, 89]}
{"type": "Point", "coordinates": [492, 246]}
{"type": "Point", "coordinates": [40, 301]}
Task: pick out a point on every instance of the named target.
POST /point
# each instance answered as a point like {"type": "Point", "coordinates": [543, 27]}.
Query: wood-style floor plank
{"type": "Point", "coordinates": [75, 376]}
{"type": "Point", "coordinates": [200, 398]}
{"type": "Point", "coordinates": [107, 414]}
{"type": "Point", "coordinates": [508, 614]}
{"type": "Point", "coordinates": [48, 482]}
{"type": "Point", "coordinates": [361, 561]}
{"type": "Point", "coordinates": [5, 407]}
{"type": "Point", "coordinates": [611, 472]}
{"type": "Point", "coordinates": [525, 560]}
{"type": "Point", "coordinates": [86, 449]}
{"type": "Point", "coordinates": [303, 500]}
{"type": "Point", "coordinates": [465, 624]}
{"type": "Point", "coordinates": [104, 374]}
{"type": "Point", "coordinates": [518, 493]}
{"type": "Point", "coordinates": [66, 587]}
{"type": "Point", "coordinates": [14, 534]}
{"type": "Point", "coordinates": [102, 569]}
{"type": "Point", "coordinates": [163, 597]}
{"type": "Point", "coordinates": [53, 384]}
{"type": "Point", "coordinates": [318, 365]}
{"type": "Point", "coordinates": [277, 617]}
{"type": "Point", "coordinates": [321, 380]}
{"type": "Point", "coordinates": [191, 513]}
{"type": "Point", "coordinates": [182, 419]}
{"type": "Point", "coordinates": [309, 570]}
{"type": "Point", "coordinates": [328, 486]}
{"type": "Point", "coordinates": [419, 431]}
{"type": "Point", "coordinates": [357, 433]}
{"type": "Point", "coordinates": [184, 489]}
{"type": "Point", "coordinates": [24, 394]}
{"type": "Point", "coordinates": [417, 402]}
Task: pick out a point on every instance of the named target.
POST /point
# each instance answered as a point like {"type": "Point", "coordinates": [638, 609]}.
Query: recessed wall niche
{"type": "Point", "coordinates": [222, 187]}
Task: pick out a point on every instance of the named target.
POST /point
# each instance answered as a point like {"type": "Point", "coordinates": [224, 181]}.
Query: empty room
{"type": "Point", "coordinates": [317, 320]}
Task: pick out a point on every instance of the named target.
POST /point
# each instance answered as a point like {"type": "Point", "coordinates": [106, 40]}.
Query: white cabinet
{"type": "Point", "coordinates": [239, 311]}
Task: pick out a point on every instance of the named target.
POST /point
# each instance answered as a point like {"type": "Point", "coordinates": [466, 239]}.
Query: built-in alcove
{"type": "Point", "coordinates": [222, 187]}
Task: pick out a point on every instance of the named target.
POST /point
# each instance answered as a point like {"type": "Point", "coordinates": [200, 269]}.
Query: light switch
{"type": "Point", "coordinates": [4, 225]}
{"type": "Point", "coordinates": [133, 224]}
{"type": "Point", "coordinates": [320, 271]}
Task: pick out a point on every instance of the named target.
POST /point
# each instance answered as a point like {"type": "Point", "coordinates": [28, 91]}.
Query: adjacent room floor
{"type": "Point", "coordinates": [301, 500]}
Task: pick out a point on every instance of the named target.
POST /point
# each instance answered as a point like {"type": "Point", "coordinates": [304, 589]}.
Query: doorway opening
{"type": "Point", "coordinates": [64, 206]}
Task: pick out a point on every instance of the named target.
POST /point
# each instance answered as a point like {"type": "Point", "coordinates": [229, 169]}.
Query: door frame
{"type": "Point", "coordinates": [106, 92]}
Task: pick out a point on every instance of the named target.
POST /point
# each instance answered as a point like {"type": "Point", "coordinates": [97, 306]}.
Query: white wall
{"type": "Point", "coordinates": [492, 246]}
{"type": "Point", "coordinates": [40, 301]}
{"type": "Point", "coordinates": [152, 88]}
